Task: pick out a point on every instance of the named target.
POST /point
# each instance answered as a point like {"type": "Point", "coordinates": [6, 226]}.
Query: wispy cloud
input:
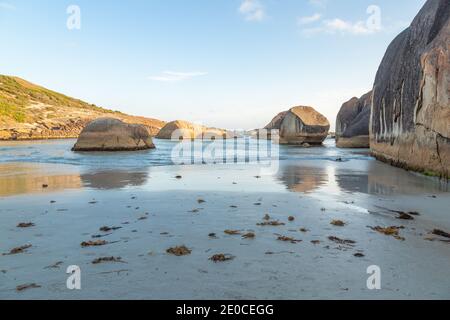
{"type": "Point", "coordinates": [7, 6]}
{"type": "Point", "coordinates": [252, 10]}
{"type": "Point", "coordinates": [172, 76]}
{"type": "Point", "coordinates": [339, 26]}
{"type": "Point", "coordinates": [309, 19]}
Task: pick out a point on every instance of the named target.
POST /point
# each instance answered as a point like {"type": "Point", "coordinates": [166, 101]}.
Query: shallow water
{"type": "Point", "coordinates": [26, 166]}
{"type": "Point", "coordinates": [89, 190]}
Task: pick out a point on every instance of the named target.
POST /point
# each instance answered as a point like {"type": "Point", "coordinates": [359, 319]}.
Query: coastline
{"type": "Point", "coordinates": [156, 211]}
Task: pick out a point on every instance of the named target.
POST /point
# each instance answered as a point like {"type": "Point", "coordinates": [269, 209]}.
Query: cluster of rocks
{"type": "Point", "coordinates": [406, 118]}
{"type": "Point", "coordinates": [352, 123]}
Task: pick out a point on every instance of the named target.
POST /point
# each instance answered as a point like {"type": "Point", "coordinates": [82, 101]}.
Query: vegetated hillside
{"type": "Point", "coordinates": [28, 111]}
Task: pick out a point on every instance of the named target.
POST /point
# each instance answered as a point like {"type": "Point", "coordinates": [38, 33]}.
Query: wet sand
{"type": "Point", "coordinates": [156, 211]}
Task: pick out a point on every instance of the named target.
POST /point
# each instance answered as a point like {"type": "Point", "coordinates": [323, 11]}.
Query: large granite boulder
{"type": "Point", "coordinates": [303, 125]}
{"type": "Point", "coordinates": [410, 122]}
{"type": "Point", "coordinates": [276, 122]}
{"type": "Point", "coordinates": [179, 130]}
{"type": "Point", "coordinates": [108, 134]}
{"type": "Point", "coordinates": [352, 123]}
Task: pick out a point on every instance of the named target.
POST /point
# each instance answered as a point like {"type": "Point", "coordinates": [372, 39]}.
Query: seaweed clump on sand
{"type": "Point", "coordinates": [288, 239]}
{"type": "Point", "coordinates": [221, 257]}
{"type": "Point", "coordinates": [25, 225]}
{"type": "Point", "coordinates": [107, 259]}
{"type": "Point", "coordinates": [96, 243]}
{"type": "Point", "coordinates": [18, 250]}
{"type": "Point", "coordinates": [341, 241]}
{"type": "Point", "coordinates": [338, 223]}
{"type": "Point", "coordinates": [389, 231]}
{"type": "Point", "coordinates": [179, 251]}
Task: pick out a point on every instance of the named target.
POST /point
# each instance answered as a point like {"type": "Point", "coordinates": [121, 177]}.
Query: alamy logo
{"type": "Point", "coordinates": [374, 281]}
{"type": "Point", "coordinates": [74, 19]}
{"type": "Point", "coordinates": [74, 280]}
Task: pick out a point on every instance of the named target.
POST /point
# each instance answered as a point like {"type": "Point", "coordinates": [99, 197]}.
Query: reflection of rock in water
{"type": "Point", "coordinates": [114, 179]}
{"type": "Point", "coordinates": [298, 178]}
{"type": "Point", "coordinates": [382, 179]}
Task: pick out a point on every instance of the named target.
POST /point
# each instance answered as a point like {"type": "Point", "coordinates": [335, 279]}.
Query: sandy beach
{"type": "Point", "coordinates": [156, 207]}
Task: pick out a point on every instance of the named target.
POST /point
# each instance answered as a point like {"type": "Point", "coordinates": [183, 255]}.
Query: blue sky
{"type": "Point", "coordinates": [225, 63]}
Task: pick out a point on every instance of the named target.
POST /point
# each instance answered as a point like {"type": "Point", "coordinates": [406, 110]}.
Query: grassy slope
{"type": "Point", "coordinates": [17, 95]}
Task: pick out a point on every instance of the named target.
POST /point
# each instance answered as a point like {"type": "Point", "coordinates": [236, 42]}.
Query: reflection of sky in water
{"type": "Point", "coordinates": [25, 166]}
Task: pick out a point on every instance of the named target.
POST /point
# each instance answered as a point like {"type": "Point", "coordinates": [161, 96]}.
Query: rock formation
{"type": "Point", "coordinates": [410, 121]}
{"type": "Point", "coordinates": [31, 112]}
{"type": "Point", "coordinates": [179, 130]}
{"type": "Point", "coordinates": [108, 134]}
{"type": "Point", "coordinates": [275, 124]}
{"type": "Point", "coordinates": [303, 125]}
{"type": "Point", "coordinates": [352, 123]}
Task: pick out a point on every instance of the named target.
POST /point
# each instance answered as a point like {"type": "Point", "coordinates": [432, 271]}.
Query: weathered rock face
{"type": "Point", "coordinates": [352, 123]}
{"type": "Point", "coordinates": [185, 130]}
{"type": "Point", "coordinates": [276, 122]}
{"type": "Point", "coordinates": [108, 134]}
{"type": "Point", "coordinates": [410, 121]}
{"type": "Point", "coordinates": [303, 125]}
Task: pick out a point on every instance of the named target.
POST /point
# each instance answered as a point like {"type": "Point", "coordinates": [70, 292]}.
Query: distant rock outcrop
{"type": "Point", "coordinates": [410, 121]}
{"type": "Point", "coordinates": [303, 125]}
{"type": "Point", "coordinates": [107, 134]}
{"type": "Point", "coordinates": [31, 112]}
{"type": "Point", "coordinates": [185, 130]}
{"type": "Point", "coordinates": [352, 123]}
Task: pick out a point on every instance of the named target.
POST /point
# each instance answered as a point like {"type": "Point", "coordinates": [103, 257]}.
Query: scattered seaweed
{"type": "Point", "coordinates": [179, 251]}
{"type": "Point", "coordinates": [338, 223]}
{"type": "Point", "coordinates": [95, 243]}
{"type": "Point", "coordinates": [389, 231]}
{"type": "Point", "coordinates": [249, 235]}
{"type": "Point", "coordinates": [341, 241]}
{"type": "Point", "coordinates": [271, 223]}
{"type": "Point", "coordinates": [108, 229]}
{"type": "Point", "coordinates": [25, 225]}
{"type": "Point", "coordinates": [56, 265]}
{"type": "Point", "coordinates": [24, 287]}
{"type": "Point", "coordinates": [221, 257]}
{"type": "Point", "coordinates": [405, 216]}
{"type": "Point", "coordinates": [18, 250]}
{"type": "Point", "coordinates": [288, 239]}
{"type": "Point", "coordinates": [107, 259]}
{"type": "Point", "coordinates": [232, 232]}
{"type": "Point", "coordinates": [441, 233]}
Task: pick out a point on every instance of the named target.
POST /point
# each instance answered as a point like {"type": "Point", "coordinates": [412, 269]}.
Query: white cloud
{"type": "Point", "coordinates": [172, 76]}
{"type": "Point", "coordinates": [309, 19]}
{"type": "Point", "coordinates": [7, 6]}
{"type": "Point", "coordinates": [252, 10]}
{"type": "Point", "coordinates": [339, 26]}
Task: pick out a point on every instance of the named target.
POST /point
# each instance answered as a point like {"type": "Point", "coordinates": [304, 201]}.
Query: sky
{"type": "Point", "coordinates": [231, 64]}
